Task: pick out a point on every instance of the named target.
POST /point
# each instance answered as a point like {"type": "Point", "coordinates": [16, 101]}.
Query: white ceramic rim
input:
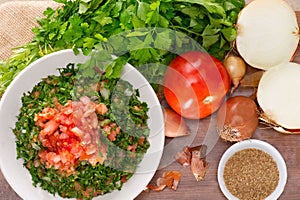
{"type": "Point", "coordinates": [19, 178]}
{"type": "Point", "coordinates": [261, 145]}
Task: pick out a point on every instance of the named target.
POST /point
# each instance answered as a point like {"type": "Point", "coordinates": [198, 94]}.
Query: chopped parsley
{"type": "Point", "coordinates": [124, 150]}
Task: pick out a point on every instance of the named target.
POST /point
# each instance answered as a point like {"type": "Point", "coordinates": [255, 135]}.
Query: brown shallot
{"type": "Point", "coordinates": [236, 68]}
{"type": "Point", "coordinates": [237, 119]}
{"type": "Point", "coordinates": [175, 125]}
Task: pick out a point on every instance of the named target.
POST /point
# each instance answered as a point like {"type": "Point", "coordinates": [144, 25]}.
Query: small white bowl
{"type": "Point", "coordinates": [257, 144]}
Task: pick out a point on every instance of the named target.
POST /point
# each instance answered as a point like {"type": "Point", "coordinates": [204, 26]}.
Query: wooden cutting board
{"type": "Point", "coordinates": [189, 188]}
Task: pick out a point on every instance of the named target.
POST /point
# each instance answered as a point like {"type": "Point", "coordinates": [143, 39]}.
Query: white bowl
{"type": "Point", "coordinates": [18, 176]}
{"type": "Point", "coordinates": [257, 144]}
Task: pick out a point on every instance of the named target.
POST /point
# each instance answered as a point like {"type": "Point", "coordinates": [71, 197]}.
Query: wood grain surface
{"type": "Point", "coordinates": [203, 132]}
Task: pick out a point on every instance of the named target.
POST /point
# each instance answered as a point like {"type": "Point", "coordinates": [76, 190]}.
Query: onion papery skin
{"type": "Point", "coordinates": [268, 33]}
{"type": "Point", "coordinates": [278, 95]}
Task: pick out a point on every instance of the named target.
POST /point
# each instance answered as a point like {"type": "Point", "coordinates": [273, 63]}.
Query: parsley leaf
{"type": "Point", "coordinates": [91, 24]}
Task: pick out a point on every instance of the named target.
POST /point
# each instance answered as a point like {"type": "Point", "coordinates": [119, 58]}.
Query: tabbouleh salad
{"type": "Point", "coordinates": [81, 138]}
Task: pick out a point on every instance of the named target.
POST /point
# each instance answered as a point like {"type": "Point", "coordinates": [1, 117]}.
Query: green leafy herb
{"type": "Point", "coordinates": [90, 24]}
{"type": "Point", "coordinates": [123, 154]}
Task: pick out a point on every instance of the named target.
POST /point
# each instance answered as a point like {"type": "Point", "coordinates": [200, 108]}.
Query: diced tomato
{"type": "Point", "coordinates": [52, 157]}
{"type": "Point", "coordinates": [87, 192]}
{"type": "Point", "coordinates": [42, 154]}
{"type": "Point", "coordinates": [132, 148]}
{"type": "Point", "coordinates": [63, 136]}
{"type": "Point", "coordinates": [111, 131]}
{"type": "Point", "coordinates": [70, 133]}
{"type": "Point", "coordinates": [118, 129]}
{"type": "Point", "coordinates": [65, 120]}
{"type": "Point", "coordinates": [50, 127]}
{"type": "Point", "coordinates": [84, 156]}
{"type": "Point", "coordinates": [67, 110]}
{"type": "Point", "coordinates": [106, 129]}
{"type": "Point", "coordinates": [124, 179]}
{"type": "Point", "coordinates": [77, 131]}
{"type": "Point", "coordinates": [112, 135]}
{"type": "Point", "coordinates": [101, 108]}
{"type": "Point", "coordinates": [91, 149]}
{"type": "Point", "coordinates": [86, 139]}
{"type": "Point", "coordinates": [77, 150]}
{"type": "Point", "coordinates": [66, 156]}
{"type": "Point", "coordinates": [53, 141]}
{"type": "Point", "coordinates": [141, 140]}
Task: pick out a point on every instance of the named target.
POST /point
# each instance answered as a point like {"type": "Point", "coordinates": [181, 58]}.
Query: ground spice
{"type": "Point", "coordinates": [251, 174]}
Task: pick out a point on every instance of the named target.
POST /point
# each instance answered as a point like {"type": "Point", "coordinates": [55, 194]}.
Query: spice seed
{"type": "Point", "coordinates": [251, 174]}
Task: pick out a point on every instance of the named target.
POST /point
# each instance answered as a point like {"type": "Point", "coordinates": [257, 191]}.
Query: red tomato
{"type": "Point", "coordinates": [195, 84]}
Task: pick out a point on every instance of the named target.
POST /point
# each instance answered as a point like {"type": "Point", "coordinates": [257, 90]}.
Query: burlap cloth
{"type": "Point", "coordinates": [17, 18]}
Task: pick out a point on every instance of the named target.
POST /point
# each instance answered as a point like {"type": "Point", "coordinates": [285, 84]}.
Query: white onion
{"type": "Point", "coordinates": [268, 33]}
{"type": "Point", "coordinates": [278, 95]}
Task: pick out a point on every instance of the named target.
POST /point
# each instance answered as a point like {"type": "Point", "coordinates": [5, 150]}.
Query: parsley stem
{"type": "Point", "coordinates": [187, 30]}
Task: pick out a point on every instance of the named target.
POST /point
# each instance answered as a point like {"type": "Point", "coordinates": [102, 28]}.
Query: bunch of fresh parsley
{"type": "Point", "coordinates": [146, 33]}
